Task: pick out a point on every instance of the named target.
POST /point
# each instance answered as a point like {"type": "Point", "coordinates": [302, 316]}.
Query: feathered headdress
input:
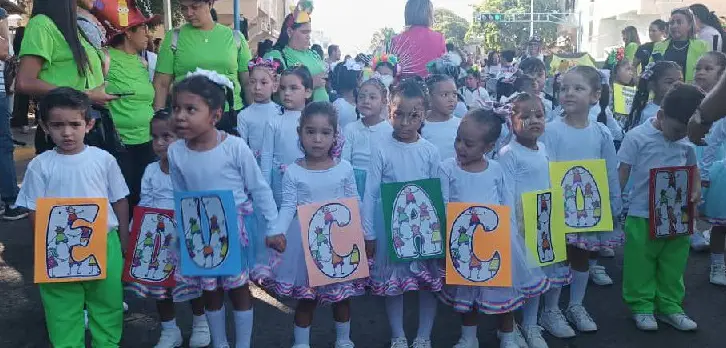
{"type": "Point", "coordinates": [615, 56]}
{"type": "Point", "coordinates": [301, 13]}
{"type": "Point", "coordinates": [384, 58]}
{"type": "Point", "coordinates": [272, 64]}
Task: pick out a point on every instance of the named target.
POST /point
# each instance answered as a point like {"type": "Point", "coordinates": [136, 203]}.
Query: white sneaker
{"type": "Point", "coordinates": [421, 343]}
{"type": "Point", "coordinates": [699, 241]}
{"type": "Point", "coordinates": [126, 307]}
{"type": "Point", "coordinates": [718, 274]}
{"type": "Point", "coordinates": [344, 344]}
{"type": "Point", "coordinates": [467, 343]}
{"type": "Point", "coordinates": [518, 338]}
{"type": "Point", "coordinates": [399, 342]}
{"type": "Point", "coordinates": [301, 346]}
{"type": "Point", "coordinates": [607, 252]}
{"type": "Point", "coordinates": [555, 323]}
{"type": "Point", "coordinates": [599, 276]}
{"type": "Point", "coordinates": [533, 336]}
{"type": "Point", "coordinates": [645, 322]}
{"type": "Point", "coordinates": [170, 338]}
{"type": "Point", "coordinates": [200, 336]}
{"type": "Point", "coordinates": [508, 344]}
{"type": "Point", "coordinates": [581, 318]}
{"type": "Point", "coordinates": [680, 321]}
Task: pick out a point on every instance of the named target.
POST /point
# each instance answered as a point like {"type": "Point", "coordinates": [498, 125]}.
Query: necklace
{"type": "Point", "coordinates": [673, 44]}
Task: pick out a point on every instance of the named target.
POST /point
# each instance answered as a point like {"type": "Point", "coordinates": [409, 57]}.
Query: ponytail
{"type": "Point", "coordinates": [602, 117]}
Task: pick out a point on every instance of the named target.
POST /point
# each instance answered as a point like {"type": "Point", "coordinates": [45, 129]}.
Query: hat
{"type": "Point", "coordinates": [120, 15]}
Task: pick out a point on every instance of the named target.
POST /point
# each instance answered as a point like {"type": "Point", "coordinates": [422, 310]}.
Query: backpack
{"type": "Point", "coordinates": [228, 122]}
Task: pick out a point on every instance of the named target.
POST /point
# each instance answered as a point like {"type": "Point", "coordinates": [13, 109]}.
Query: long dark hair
{"type": "Point", "coordinates": [284, 38]}
{"type": "Point", "coordinates": [709, 18]}
{"type": "Point", "coordinates": [642, 95]}
{"type": "Point", "coordinates": [63, 14]}
{"type": "Point", "coordinates": [631, 35]}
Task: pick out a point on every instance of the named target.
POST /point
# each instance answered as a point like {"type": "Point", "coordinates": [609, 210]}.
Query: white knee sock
{"type": "Point", "coordinates": [394, 309]}
{"type": "Point", "coordinates": [426, 314]}
{"type": "Point", "coordinates": [552, 299]}
{"type": "Point", "coordinates": [578, 287]}
{"type": "Point", "coordinates": [217, 327]}
{"type": "Point", "coordinates": [169, 325]}
{"type": "Point", "coordinates": [342, 331]}
{"type": "Point", "coordinates": [529, 312]}
{"type": "Point", "coordinates": [468, 332]}
{"type": "Point", "coordinates": [243, 328]}
{"type": "Point", "coordinates": [717, 259]}
{"type": "Point", "coordinates": [592, 263]}
{"type": "Point", "coordinates": [301, 335]}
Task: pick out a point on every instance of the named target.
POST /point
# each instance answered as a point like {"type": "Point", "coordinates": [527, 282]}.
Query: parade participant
{"type": "Point", "coordinates": [403, 157]}
{"type": "Point", "coordinates": [441, 125]}
{"type": "Point", "coordinates": [386, 68]}
{"type": "Point", "coordinates": [580, 89]}
{"type": "Point", "coordinates": [209, 159]}
{"type": "Point", "coordinates": [653, 279]}
{"type": "Point", "coordinates": [157, 192]}
{"type": "Point", "coordinates": [188, 47]}
{"type": "Point", "coordinates": [632, 42]}
{"type": "Point", "coordinates": [472, 178]}
{"type": "Point", "coordinates": [317, 177]}
{"type": "Point", "coordinates": [526, 164]}
{"type": "Point", "coordinates": [416, 46]}
{"type": "Point", "coordinates": [280, 142]}
{"type": "Point", "coordinates": [345, 79]}
{"type": "Point", "coordinates": [656, 79]}
{"type": "Point", "coordinates": [293, 48]}
{"type": "Point", "coordinates": [681, 47]}
{"type": "Point", "coordinates": [708, 26]}
{"type": "Point", "coordinates": [475, 96]}
{"type": "Point", "coordinates": [657, 32]}
{"type": "Point", "coordinates": [75, 170]}
{"type": "Point", "coordinates": [252, 120]}
{"type": "Point", "coordinates": [127, 37]}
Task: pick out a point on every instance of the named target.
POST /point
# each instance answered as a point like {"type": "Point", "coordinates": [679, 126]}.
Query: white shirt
{"type": "Point", "coordinates": [649, 111]}
{"type": "Point", "coordinates": [251, 122]}
{"type": "Point", "coordinates": [157, 190]}
{"type": "Point", "coordinates": [715, 139]}
{"type": "Point", "coordinates": [302, 186]}
{"type": "Point", "coordinates": [528, 170]}
{"type": "Point", "coordinates": [228, 166]}
{"type": "Point", "coordinates": [566, 143]}
{"type": "Point", "coordinates": [92, 173]}
{"type": "Point", "coordinates": [645, 148]}
{"type": "Point", "coordinates": [359, 139]}
{"type": "Point", "coordinates": [346, 112]}
{"type": "Point", "coordinates": [612, 125]}
{"type": "Point", "coordinates": [442, 135]}
{"type": "Point", "coordinates": [151, 60]}
{"type": "Point", "coordinates": [394, 161]}
{"type": "Point", "coordinates": [280, 144]}
{"type": "Point", "coordinates": [707, 33]}
{"type": "Point", "coordinates": [460, 110]}
{"type": "Point", "coordinates": [476, 98]}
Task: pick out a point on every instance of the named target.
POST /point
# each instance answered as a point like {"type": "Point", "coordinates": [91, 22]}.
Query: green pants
{"type": "Point", "coordinates": [64, 302]}
{"type": "Point", "coordinates": [653, 270]}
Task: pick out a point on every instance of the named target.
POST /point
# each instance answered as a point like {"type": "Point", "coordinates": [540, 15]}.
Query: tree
{"type": "Point", "coordinates": [381, 40]}
{"type": "Point", "coordinates": [498, 36]}
{"type": "Point", "coordinates": [453, 26]}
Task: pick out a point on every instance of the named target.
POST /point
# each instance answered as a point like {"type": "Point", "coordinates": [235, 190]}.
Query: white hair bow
{"type": "Point", "coordinates": [351, 64]}
{"type": "Point", "coordinates": [213, 76]}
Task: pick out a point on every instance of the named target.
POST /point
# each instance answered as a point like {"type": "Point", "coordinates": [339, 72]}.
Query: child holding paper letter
{"type": "Point", "coordinates": [74, 170]}
{"type": "Point", "coordinates": [405, 156]}
{"type": "Point", "coordinates": [208, 159]}
{"type": "Point", "coordinates": [471, 178]}
{"type": "Point", "coordinates": [157, 192]}
{"type": "Point", "coordinates": [575, 137]}
{"type": "Point", "coordinates": [317, 177]}
{"type": "Point", "coordinates": [526, 164]}
{"type": "Point", "coordinates": [653, 272]}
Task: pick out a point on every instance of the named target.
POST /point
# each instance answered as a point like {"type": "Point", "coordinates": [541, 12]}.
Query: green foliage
{"type": "Point", "coordinates": [157, 7]}
{"type": "Point", "coordinates": [381, 40]}
{"type": "Point", "coordinates": [453, 26]}
{"type": "Point", "coordinates": [499, 36]}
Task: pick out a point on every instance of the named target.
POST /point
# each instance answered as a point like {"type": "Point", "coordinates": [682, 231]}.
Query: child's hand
{"type": "Point", "coordinates": [370, 249]}
{"type": "Point", "coordinates": [705, 183]}
{"type": "Point", "coordinates": [277, 242]}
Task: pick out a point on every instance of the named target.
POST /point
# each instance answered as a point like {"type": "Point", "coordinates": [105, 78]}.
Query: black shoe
{"type": "Point", "coordinates": [14, 214]}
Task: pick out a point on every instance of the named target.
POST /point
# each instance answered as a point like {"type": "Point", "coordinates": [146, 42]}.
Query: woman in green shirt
{"type": "Point", "coordinates": [54, 53]}
{"type": "Point", "coordinates": [293, 48]}
{"type": "Point", "coordinates": [202, 43]}
{"type": "Point", "coordinates": [128, 77]}
{"type": "Point", "coordinates": [632, 42]}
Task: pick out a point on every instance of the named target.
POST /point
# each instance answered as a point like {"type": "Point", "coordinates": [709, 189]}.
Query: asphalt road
{"type": "Point", "coordinates": [22, 322]}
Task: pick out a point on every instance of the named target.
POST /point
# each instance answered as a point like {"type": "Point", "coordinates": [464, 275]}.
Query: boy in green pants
{"type": "Point", "coordinates": [653, 268]}
{"type": "Point", "coordinates": [74, 170]}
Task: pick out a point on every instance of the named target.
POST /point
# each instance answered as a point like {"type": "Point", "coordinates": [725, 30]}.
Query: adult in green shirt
{"type": "Point", "coordinates": [293, 48]}
{"type": "Point", "coordinates": [55, 54]}
{"type": "Point", "coordinates": [128, 77]}
{"type": "Point", "coordinates": [202, 43]}
{"type": "Point", "coordinates": [632, 42]}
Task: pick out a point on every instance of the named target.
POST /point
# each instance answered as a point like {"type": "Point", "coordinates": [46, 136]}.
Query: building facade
{"type": "Point", "coordinates": [601, 21]}
{"type": "Point", "coordinates": [265, 17]}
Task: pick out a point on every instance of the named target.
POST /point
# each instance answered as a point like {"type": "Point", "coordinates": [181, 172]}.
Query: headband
{"type": "Point", "coordinates": [386, 58]}
{"type": "Point", "coordinates": [220, 80]}
{"type": "Point", "coordinates": [301, 13]}
{"type": "Point", "coordinates": [615, 56]}
{"type": "Point", "coordinates": [268, 63]}
{"type": "Point", "coordinates": [352, 65]}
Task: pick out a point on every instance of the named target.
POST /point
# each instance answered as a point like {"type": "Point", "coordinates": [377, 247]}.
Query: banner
{"type": "Point", "coordinates": [670, 207]}
{"type": "Point", "coordinates": [150, 257]}
{"type": "Point", "coordinates": [586, 194]}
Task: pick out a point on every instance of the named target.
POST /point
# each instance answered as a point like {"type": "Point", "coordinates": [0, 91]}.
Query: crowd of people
{"type": "Point", "coordinates": [133, 120]}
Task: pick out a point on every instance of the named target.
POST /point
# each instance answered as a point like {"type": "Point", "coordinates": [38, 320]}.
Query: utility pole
{"type": "Point", "coordinates": [531, 18]}
{"type": "Point", "coordinates": [167, 15]}
{"type": "Point", "coordinates": [235, 6]}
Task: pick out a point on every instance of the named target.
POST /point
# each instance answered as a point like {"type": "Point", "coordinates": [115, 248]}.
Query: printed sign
{"type": "Point", "coordinates": [586, 194]}
{"type": "Point", "coordinates": [671, 210]}
{"type": "Point", "coordinates": [151, 260]}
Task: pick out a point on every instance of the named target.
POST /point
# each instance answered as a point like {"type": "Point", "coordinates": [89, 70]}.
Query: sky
{"type": "Point", "coordinates": [351, 23]}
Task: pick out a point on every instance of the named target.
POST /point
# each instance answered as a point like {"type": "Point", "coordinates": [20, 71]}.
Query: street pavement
{"type": "Point", "coordinates": [22, 322]}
